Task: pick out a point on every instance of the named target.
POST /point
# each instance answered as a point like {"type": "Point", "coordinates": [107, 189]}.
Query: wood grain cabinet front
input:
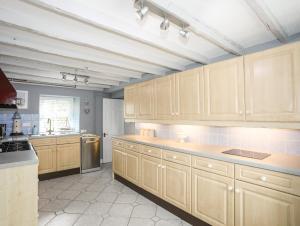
{"type": "Point", "coordinates": [273, 84]}
{"type": "Point", "coordinates": [176, 185]}
{"type": "Point", "coordinates": [257, 205]}
{"type": "Point", "coordinates": [68, 156]}
{"type": "Point", "coordinates": [145, 101]}
{"type": "Point", "coordinates": [151, 174]}
{"type": "Point", "coordinates": [213, 198]}
{"type": "Point", "coordinates": [130, 103]}
{"type": "Point", "coordinates": [118, 163]}
{"type": "Point", "coordinates": [47, 158]}
{"type": "Point", "coordinates": [132, 163]}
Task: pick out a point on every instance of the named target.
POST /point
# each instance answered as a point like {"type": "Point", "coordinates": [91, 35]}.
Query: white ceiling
{"type": "Point", "coordinates": [104, 40]}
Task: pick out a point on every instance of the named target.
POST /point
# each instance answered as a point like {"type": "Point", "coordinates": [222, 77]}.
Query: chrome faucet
{"type": "Point", "coordinates": [49, 121]}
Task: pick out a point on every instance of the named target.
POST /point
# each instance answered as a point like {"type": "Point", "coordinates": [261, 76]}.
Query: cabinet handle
{"type": "Point", "coordinates": [174, 157]}
{"type": "Point", "coordinates": [237, 190]}
{"type": "Point", "coordinates": [158, 165]}
{"type": "Point", "coordinates": [241, 112]}
{"type": "Point", "coordinates": [172, 113]}
{"type": "Point", "coordinates": [263, 178]}
{"type": "Point", "coordinates": [209, 166]}
{"type": "Point", "coordinates": [230, 188]}
{"type": "Point", "coordinates": [163, 167]}
{"type": "Point", "coordinates": [131, 146]}
{"type": "Point", "coordinates": [149, 151]}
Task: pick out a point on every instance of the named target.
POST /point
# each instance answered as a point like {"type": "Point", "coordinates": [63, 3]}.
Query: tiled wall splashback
{"type": "Point", "coordinates": [264, 139]}
{"type": "Point", "coordinates": [28, 121]}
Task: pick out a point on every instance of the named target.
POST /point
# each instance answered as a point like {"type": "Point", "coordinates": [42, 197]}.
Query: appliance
{"type": "Point", "coordinates": [17, 125]}
{"type": "Point", "coordinates": [2, 131]}
{"type": "Point", "coordinates": [8, 93]}
{"type": "Point", "coordinates": [90, 153]}
{"type": "Point", "coordinates": [11, 144]}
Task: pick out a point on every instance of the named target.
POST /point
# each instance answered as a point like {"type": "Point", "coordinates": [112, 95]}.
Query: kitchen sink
{"type": "Point", "coordinates": [247, 154]}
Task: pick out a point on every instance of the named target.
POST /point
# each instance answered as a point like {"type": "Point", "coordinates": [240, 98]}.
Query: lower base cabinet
{"type": "Point", "coordinates": [68, 156]}
{"type": "Point", "coordinates": [257, 205]}
{"type": "Point", "coordinates": [131, 170]}
{"type": "Point", "coordinates": [176, 185]}
{"type": "Point", "coordinates": [213, 198]}
{"type": "Point", "coordinates": [151, 174]}
{"type": "Point", "coordinates": [47, 158]}
{"type": "Point", "coordinates": [118, 161]}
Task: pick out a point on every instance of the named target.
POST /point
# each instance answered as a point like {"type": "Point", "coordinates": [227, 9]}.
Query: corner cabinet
{"type": "Point", "coordinates": [224, 90]}
{"type": "Point", "coordinates": [273, 84]}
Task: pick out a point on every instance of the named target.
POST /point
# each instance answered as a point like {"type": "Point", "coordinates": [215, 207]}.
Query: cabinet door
{"type": "Point", "coordinates": [164, 97]}
{"type": "Point", "coordinates": [118, 161]}
{"type": "Point", "coordinates": [47, 158]}
{"type": "Point", "coordinates": [132, 160]}
{"type": "Point", "coordinates": [213, 198]}
{"type": "Point", "coordinates": [273, 84]}
{"type": "Point", "coordinates": [68, 156]}
{"type": "Point", "coordinates": [224, 90]}
{"type": "Point", "coordinates": [191, 94]}
{"type": "Point", "coordinates": [151, 174]}
{"type": "Point", "coordinates": [176, 181]}
{"type": "Point", "coordinates": [130, 98]}
{"type": "Point", "coordinates": [145, 100]}
{"type": "Point", "coordinates": [256, 205]}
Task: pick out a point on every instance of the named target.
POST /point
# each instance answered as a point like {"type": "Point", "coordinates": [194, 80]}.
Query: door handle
{"type": "Point", "coordinates": [105, 134]}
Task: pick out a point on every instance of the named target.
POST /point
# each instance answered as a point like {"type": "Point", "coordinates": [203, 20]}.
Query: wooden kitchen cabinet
{"type": "Point", "coordinates": [151, 174]}
{"type": "Point", "coordinates": [176, 185]}
{"type": "Point", "coordinates": [130, 103]}
{"type": "Point", "coordinates": [47, 158]}
{"type": "Point", "coordinates": [224, 90]}
{"type": "Point", "coordinates": [257, 205]}
{"type": "Point", "coordinates": [131, 169]}
{"type": "Point", "coordinates": [68, 156]}
{"type": "Point", "coordinates": [190, 94]}
{"type": "Point", "coordinates": [213, 198]}
{"type": "Point", "coordinates": [165, 97]}
{"type": "Point", "coordinates": [118, 161]}
{"type": "Point", "coordinates": [273, 84]}
{"type": "Point", "coordinates": [145, 100]}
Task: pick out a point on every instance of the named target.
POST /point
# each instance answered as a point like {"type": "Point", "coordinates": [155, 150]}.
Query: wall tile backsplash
{"type": "Point", "coordinates": [28, 121]}
{"type": "Point", "coordinates": [264, 139]}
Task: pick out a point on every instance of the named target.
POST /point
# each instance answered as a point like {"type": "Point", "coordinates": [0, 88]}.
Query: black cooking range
{"type": "Point", "coordinates": [10, 146]}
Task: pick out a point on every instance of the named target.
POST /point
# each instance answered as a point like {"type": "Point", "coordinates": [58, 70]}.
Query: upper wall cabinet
{"type": "Point", "coordinates": [224, 90]}
{"type": "Point", "coordinates": [273, 84]}
{"type": "Point", "coordinates": [164, 94]}
{"type": "Point", "coordinates": [190, 86]}
{"type": "Point", "coordinates": [145, 100]}
{"type": "Point", "coordinates": [130, 94]}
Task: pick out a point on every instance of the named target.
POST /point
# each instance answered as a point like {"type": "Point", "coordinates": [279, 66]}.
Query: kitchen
{"type": "Point", "coordinates": [150, 112]}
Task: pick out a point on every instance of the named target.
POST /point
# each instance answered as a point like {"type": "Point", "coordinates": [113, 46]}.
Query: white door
{"type": "Point", "coordinates": [113, 124]}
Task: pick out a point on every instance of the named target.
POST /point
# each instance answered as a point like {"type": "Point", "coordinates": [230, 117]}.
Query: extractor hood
{"type": "Point", "coordinates": [8, 93]}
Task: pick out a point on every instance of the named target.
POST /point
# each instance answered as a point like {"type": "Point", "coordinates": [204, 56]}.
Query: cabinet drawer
{"type": "Point", "coordinates": [43, 141]}
{"type": "Point", "coordinates": [278, 181]}
{"type": "Point", "coordinates": [214, 166]}
{"type": "Point", "coordinates": [117, 143]}
{"type": "Point", "coordinates": [68, 139]}
{"type": "Point", "coordinates": [177, 157]}
{"type": "Point", "coordinates": [131, 146]}
{"type": "Point", "coordinates": [152, 151]}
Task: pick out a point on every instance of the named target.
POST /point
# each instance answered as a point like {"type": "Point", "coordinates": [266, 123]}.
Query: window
{"type": "Point", "coordinates": [63, 112]}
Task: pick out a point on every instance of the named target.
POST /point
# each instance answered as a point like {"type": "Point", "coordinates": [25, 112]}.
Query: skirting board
{"type": "Point", "coordinates": [57, 174]}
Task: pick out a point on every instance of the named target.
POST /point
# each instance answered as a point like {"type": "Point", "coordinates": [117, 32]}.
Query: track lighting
{"type": "Point", "coordinates": [165, 24]}
{"type": "Point", "coordinates": [86, 81]}
{"type": "Point", "coordinates": [64, 77]}
{"type": "Point", "coordinates": [184, 33]}
{"type": "Point", "coordinates": [75, 79]}
{"type": "Point", "coordinates": [140, 13]}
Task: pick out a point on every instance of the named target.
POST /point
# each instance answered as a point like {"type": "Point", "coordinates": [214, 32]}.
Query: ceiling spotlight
{"type": "Point", "coordinates": [184, 33]}
{"type": "Point", "coordinates": [140, 13]}
{"type": "Point", "coordinates": [86, 81]}
{"type": "Point", "coordinates": [64, 77]}
{"type": "Point", "coordinates": [75, 79]}
{"type": "Point", "coordinates": [165, 24]}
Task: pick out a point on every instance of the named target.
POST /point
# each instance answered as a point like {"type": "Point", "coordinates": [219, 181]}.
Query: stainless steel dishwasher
{"type": "Point", "coordinates": [90, 153]}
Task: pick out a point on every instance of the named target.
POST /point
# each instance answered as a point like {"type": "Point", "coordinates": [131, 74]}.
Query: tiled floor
{"type": "Point", "coordinates": [95, 199]}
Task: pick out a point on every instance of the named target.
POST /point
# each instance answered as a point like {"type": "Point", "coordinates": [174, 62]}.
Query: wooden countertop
{"type": "Point", "coordinates": [276, 162]}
